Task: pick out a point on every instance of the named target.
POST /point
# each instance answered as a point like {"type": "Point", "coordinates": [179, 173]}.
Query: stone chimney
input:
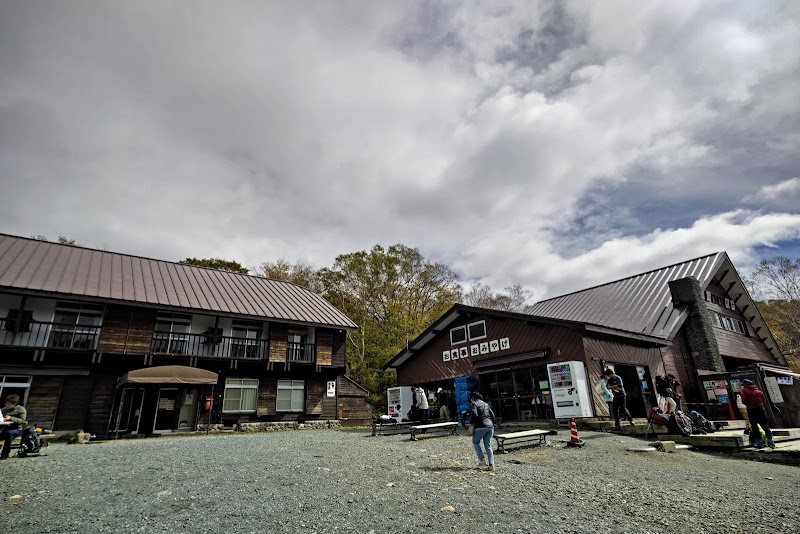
{"type": "Point", "coordinates": [686, 293]}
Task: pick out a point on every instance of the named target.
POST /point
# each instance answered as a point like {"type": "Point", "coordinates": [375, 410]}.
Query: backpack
{"type": "Point", "coordinates": [680, 424]}
{"type": "Point", "coordinates": [657, 417]}
{"type": "Point", "coordinates": [700, 424]}
{"type": "Point", "coordinates": [28, 443]}
{"type": "Point", "coordinates": [663, 387]}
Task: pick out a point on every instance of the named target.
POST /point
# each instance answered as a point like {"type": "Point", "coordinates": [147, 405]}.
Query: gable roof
{"type": "Point", "coordinates": [643, 303]}
{"type": "Point", "coordinates": [458, 310]}
{"type": "Point", "coordinates": [40, 267]}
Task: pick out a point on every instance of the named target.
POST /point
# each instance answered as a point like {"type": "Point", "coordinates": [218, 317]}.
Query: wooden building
{"type": "Point", "coordinates": [118, 344]}
{"type": "Point", "coordinates": [688, 319]}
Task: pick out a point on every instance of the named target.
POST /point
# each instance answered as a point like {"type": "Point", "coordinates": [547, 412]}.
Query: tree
{"type": "Point", "coordinates": [513, 299]}
{"type": "Point", "coordinates": [302, 273]}
{"type": "Point", "coordinates": [61, 240]}
{"type": "Point", "coordinates": [776, 281]}
{"type": "Point", "coordinates": [216, 263]}
{"type": "Point", "coordinates": [393, 295]}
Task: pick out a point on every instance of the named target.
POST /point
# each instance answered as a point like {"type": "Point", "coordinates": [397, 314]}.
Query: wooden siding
{"type": "Point", "coordinates": [324, 347]}
{"type": "Point", "coordinates": [100, 402]}
{"type": "Point", "coordinates": [329, 408]}
{"type": "Point", "coordinates": [127, 330]}
{"type": "Point", "coordinates": [43, 400]}
{"type": "Point", "coordinates": [678, 362]}
{"type": "Point", "coordinates": [315, 390]}
{"type": "Point", "coordinates": [428, 365]}
{"type": "Point", "coordinates": [278, 342]}
{"type": "Point", "coordinates": [347, 388]}
{"type": "Point", "coordinates": [738, 345]}
{"type": "Point", "coordinates": [355, 411]}
{"type": "Point", "coordinates": [601, 349]}
{"type": "Point", "coordinates": [74, 403]}
{"type": "Point", "coordinates": [339, 348]}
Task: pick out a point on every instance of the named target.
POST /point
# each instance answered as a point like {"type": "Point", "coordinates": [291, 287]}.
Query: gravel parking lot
{"type": "Point", "coordinates": [347, 481]}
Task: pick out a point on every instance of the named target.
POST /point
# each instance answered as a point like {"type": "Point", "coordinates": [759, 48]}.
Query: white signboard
{"type": "Point", "coordinates": [484, 348]}
{"type": "Point", "coordinates": [331, 388]}
{"type": "Point", "coordinates": [446, 356]}
{"type": "Point", "coordinates": [454, 354]}
{"type": "Point", "coordinates": [505, 344]}
{"type": "Point", "coordinates": [464, 352]}
{"type": "Point", "coordinates": [494, 345]}
{"type": "Point", "coordinates": [474, 350]}
{"type": "Point", "coordinates": [773, 389]}
{"type": "Point", "coordinates": [785, 380]}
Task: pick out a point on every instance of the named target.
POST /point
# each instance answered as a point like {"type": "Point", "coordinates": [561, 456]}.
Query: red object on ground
{"type": "Point", "coordinates": [573, 432]}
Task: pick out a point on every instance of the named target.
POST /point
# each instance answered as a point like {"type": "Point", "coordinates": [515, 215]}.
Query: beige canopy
{"type": "Point", "coordinates": [169, 374]}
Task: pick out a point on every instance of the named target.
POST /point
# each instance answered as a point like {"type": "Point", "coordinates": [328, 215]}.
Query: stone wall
{"type": "Point", "coordinates": [698, 329]}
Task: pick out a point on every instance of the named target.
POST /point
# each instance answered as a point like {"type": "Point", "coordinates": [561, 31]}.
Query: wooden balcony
{"type": "Point", "coordinates": [39, 335]}
{"type": "Point", "coordinates": [211, 346]}
{"type": "Point", "coordinates": [301, 352]}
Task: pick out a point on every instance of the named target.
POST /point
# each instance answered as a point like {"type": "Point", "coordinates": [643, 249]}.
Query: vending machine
{"type": "Point", "coordinates": [570, 390]}
{"type": "Point", "coordinates": [399, 400]}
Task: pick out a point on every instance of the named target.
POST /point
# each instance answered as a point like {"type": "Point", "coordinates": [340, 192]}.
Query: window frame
{"type": "Point", "coordinates": [230, 384]}
{"type": "Point", "coordinates": [469, 334]}
{"type": "Point", "coordinates": [291, 386]}
{"type": "Point", "coordinates": [5, 383]}
{"type": "Point", "coordinates": [463, 327]}
{"type": "Point", "coordinates": [173, 338]}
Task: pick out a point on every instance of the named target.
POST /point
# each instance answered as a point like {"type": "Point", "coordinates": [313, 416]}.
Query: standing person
{"type": "Point", "coordinates": [483, 419]}
{"type": "Point", "coordinates": [444, 404]}
{"type": "Point", "coordinates": [414, 413]}
{"type": "Point", "coordinates": [614, 383]}
{"type": "Point", "coordinates": [663, 388]}
{"type": "Point", "coordinates": [422, 404]}
{"type": "Point", "coordinates": [15, 415]}
{"type": "Point", "coordinates": [608, 396]}
{"type": "Point", "coordinates": [756, 401]}
{"type": "Point", "coordinates": [673, 384]}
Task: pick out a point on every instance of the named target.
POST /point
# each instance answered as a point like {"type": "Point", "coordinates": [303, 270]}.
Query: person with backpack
{"type": "Point", "coordinates": [663, 388]}
{"type": "Point", "coordinates": [14, 416]}
{"type": "Point", "coordinates": [673, 384]}
{"type": "Point", "coordinates": [482, 429]}
{"type": "Point", "coordinates": [614, 383]}
{"type": "Point", "coordinates": [755, 401]}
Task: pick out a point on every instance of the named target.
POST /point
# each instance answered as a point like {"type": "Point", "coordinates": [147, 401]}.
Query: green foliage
{"type": "Point", "coordinates": [301, 273]}
{"type": "Point", "coordinates": [216, 263]}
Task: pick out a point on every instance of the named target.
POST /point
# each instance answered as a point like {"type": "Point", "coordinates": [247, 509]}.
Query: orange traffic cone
{"type": "Point", "coordinates": [574, 440]}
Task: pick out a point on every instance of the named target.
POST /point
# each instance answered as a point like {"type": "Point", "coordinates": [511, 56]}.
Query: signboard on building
{"type": "Point", "coordinates": [771, 383]}
{"type": "Point", "coordinates": [331, 388]}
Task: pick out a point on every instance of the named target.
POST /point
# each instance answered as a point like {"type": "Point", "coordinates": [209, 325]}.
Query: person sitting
{"type": "Point", "coordinates": [15, 416]}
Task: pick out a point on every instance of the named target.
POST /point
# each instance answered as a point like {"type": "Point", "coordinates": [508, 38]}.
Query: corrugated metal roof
{"type": "Point", "coordinates": [41, 266]}
{"type": "Point", "coordinates": [641, 303]}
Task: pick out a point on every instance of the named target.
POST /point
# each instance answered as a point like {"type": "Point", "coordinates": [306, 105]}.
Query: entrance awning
{"type": "Point", "coordinates": [169, 374]}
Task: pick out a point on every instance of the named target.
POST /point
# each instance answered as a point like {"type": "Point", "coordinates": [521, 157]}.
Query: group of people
{"type": "Point", "coordinates": [14, 417]}
{"type": "Point", "coordinates": [420, 406]}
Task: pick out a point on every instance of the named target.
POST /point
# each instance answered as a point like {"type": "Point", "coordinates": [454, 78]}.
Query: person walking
{"type": "Point", "coordinates": [755, 401]}
{"type": "Point", "coordinates": [614, 383]}
{"type": "Point", "coordinates": [444, 404]}
{"type": "Point", "coordinates": [483, 419]}
{"type": "Point", "coordinates": [422, 404]}
{"type": "Point", "coordinates": [608, 396]}
{"type": "Point", "coordinates": [14, 416]}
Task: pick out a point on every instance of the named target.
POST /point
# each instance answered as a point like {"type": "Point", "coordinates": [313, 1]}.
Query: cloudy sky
{"type": "Point", "coordinates": [555, 144]}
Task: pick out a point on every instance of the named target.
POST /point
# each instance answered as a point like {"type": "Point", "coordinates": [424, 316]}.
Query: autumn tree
{"type": "Point", "coordinates": [512, 299]}
{"type": "Point", "coordinates": [393, 295]}
{"type": "Point", "coordinates": [302, 273]}
{"type": "Point", "coordinates": [217, 263]}
{"type": "Point", "coordinates": [776, 282]}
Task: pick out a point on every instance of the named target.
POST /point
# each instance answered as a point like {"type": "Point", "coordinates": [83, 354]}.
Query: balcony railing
{"type": "Point", "coordinates": [37, 334]}
{"type": "Point", "coordinates": [301, 352]}
{"type": "Point", "coordinates": [209, 345]}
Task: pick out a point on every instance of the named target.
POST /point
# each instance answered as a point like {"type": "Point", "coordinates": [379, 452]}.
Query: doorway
{"type": "Point", "coordinates": [166, 411]}
{"type": "Point", "coordinates": [638, 387]}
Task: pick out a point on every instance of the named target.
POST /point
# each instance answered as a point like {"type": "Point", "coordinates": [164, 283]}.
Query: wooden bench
{"type": "Point", "coordinates": [395, 425]}
{"type": "Point", "coordinates": [435, 427]}
{"type": "Point", "coordinates": [537, 436]}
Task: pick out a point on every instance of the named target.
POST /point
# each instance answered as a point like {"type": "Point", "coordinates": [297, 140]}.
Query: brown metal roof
{"type": "Point", "coordinates": [641, 303]}
{"type": "Point", "coordinates": [29, 265]}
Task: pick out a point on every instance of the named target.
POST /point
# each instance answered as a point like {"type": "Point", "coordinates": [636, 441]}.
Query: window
{"type": "Point", "coordinates": [241, 395]}
{"type": "Point", "coordinates": [171, 335]}
{"type": "Point", "coordinates": [298, 348]}
{"type": "Point", "coordinates": [477, 330]}
{"type": "Point", "coordinates": [291, 396]}
{"type": "Point", "coordinates": [245, 339]}
{"type": "Point", "coordinates": [15, 385]}
{"type": "Point", "coordinates": [728, 323]}
{"type": "Point", "coordinates": [458, 335]}
{"type": "Point", "coordinates": [75, 326]}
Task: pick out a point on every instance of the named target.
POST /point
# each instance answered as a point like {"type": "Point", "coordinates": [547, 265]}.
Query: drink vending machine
{"type": "Point", "coordinates": [570, 390]}
{"type": "Point", "coordinates": [399, 400]}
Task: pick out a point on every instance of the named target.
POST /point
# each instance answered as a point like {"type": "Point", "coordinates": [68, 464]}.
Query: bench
{"type": "Point", "coordinates": [435, 426]}
{"type": "Point", "coordinates": [391, 425]}
{"type": "Point", "coordinates": [537, 436]}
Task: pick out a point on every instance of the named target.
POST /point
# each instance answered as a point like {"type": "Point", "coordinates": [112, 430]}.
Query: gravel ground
{"type": "Point", "coordinates": [347, 481]}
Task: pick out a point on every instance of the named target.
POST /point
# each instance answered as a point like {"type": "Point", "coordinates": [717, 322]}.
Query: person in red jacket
{"type": "Point", "coordinates": [755, 401]}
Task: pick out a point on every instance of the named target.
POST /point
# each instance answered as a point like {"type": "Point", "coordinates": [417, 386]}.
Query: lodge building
{"type": "Point", "coordinates": [118, 344]}
{"type": "Point", "coordinates": [694, 319]}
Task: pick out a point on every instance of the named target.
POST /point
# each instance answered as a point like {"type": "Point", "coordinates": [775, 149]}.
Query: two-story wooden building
{"type": "Point", "coordinates": [113, 343]}
{"type": "Point", "coordinates": [694, 319]}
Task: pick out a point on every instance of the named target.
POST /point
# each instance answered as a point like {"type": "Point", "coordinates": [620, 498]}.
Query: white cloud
{"type": "Point", "coordinates": [781, 190]}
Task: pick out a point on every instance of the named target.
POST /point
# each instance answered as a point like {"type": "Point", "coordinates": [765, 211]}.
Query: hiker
{"type": "Point", "coordinates": [756, 402]}
{"type": "Point", "coordinates": [14, 416]}
{"type": "Point", "coordinates": [663, 388]}
{"type": "Point", "coordinates": [482, 429]}
{"type": "Point", "coordinates": [422, 406]}
{"type": "Point", "coordinates": [614, 383]}
{"type": "Point", "coordinates": [444, 400]}
{"type": "Point", "coordinates": [608, 396]}
{"type": "Point", "coordinates": [673, 384]}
